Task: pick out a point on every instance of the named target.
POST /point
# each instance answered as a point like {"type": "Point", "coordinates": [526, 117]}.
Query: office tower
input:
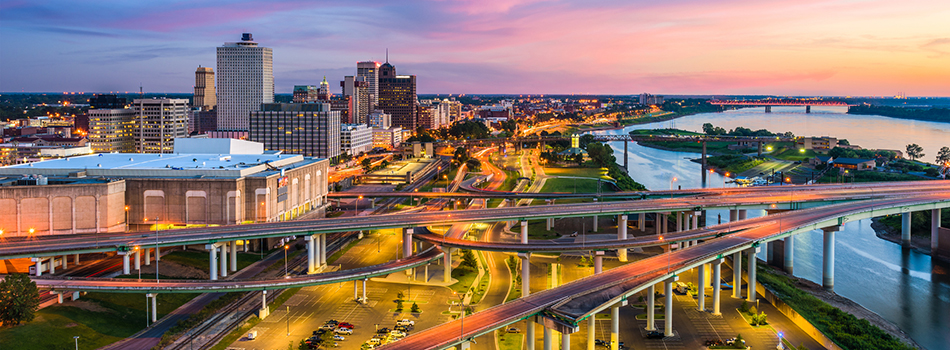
{"type": "Point", "coordinates": [157, 122]}
{"type": "Point", "coordinates": [305, 93]}
{"type": "Point", "coordinates": [356, 89]}
{"type": "Point", "coordinates": [370, 73]}
{"type": "Point", "coordinates": [397, 97]}
{"type": "Point", "coordinates": [245, 80]}
{"type": "Point", "coordinates": [379, 119]}
{"type": "Point", "coordinates": [204, 89]}
{"type": "Point", "coordinates": [355, 138]}
{"type": "Point", "coordinates": [110, 125]}
{"type": "Point", "coordinates": [309, 129]}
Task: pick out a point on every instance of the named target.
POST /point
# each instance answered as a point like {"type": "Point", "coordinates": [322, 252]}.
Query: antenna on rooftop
{"type": "Point", "coordinates": [140, 89]}
{"type": "Point", "coordinates": [387, 55]}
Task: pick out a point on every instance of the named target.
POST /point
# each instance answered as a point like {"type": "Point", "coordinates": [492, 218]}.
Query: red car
{"type": "Point", "coordinates": [345, 325]}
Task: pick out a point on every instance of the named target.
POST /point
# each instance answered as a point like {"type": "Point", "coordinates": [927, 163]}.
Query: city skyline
{"type": "Point", "coordinates": [504, 47]}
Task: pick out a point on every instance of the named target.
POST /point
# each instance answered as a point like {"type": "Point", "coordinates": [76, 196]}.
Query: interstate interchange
{"type": "Point", "coordinates": [562, 308]}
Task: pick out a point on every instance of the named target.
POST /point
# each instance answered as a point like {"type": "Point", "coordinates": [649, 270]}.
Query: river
{"type": "Point", "coordinates": [903, 286]}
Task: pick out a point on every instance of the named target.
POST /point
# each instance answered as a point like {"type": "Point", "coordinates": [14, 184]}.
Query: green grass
{"type": "Point", "coordinates": [693, 146]}
{"type": "Point", "coordinates": [509, 341]}
{"type": "Point", "coordinates": [574, 186]}
{"type": "Point", "coordinates": [866, 176]}
{"type": "Point", "coordinates": [199, 260]}
{"type": "Point", "coordinates": [794, 154]}
{"type": "Point", "coordinates": [581, 172]}
{"type": "Point", "coordinates": [123, 314]}
{"type": "Point", "coordinates": [843, 328]}
{"type": "Point", "coordinates": [734, 163]}
{"type": "Point", "coordinates": [537, 229]}
{"type": "Point", "coordinates": [440, 182]}
{"type": "Point", "coordinates": [236, 334]}
{"type": "Point", "coordinates": [465, 276]}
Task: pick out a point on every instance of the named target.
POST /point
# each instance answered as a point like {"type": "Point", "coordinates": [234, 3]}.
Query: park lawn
{"type": "Point", "coordinates": [118, 316]}
{"type": "Point", "coordinates": [509, 341]}
{"type": "Point", "coordinates": [734, 163]}
{"type": "Point", "coordinates": [794, 154]}
{"type": "Point", "coordinates": [537, 229]}
{"type": "Point", "coordinates": [199, 260]}
{"type": "Point", "coordinates": [574, 186]}
{"type": "Point", "coordinates": [580, 172]}
{"type": "Point", "coordinates": [465, 276]}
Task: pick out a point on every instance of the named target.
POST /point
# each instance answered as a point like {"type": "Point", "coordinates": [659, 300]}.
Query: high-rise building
{"type": "Point", "coordinates": [310, 129]}
{"type": "Point", "coordinates": [110, 125]}
{"type": "Point", "coordinates": [356, 138]}
{"type": "Point", "coordinates": [205, 97]}
{"type": "Point", "coordinates": [245, 81]}
{"type": "Point", "coordinates": [157, 122]}
{"type": "Point", "coordinates": [397, 97]}
{"type": "Point", "coordinates": [323, 94]}
{"type": "Point", "coordinates": [370, 72]}
{"type": "Point", "coordinates": [305, 93]}
{"type": "Point", "coordinates": [356, 90]}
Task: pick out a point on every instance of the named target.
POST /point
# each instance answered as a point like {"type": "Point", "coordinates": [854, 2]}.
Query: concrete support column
{"type": "Point", "coordinates": [615, 327]}
{"type": "Point", "coordinates": [76, 258]}
{"type": "Point", "coordinates": [59, 295]}
{"type": "Point", "coordinates": [447, 265]}
{"type": "Point", "coordinates": [138, 259]}
{"type": "Point", "coordinates": [751, 274]}
{"type": "Point", "coordinates": [524, 232]}
{"type": "Point", "coordinates": [52, 265]}
{"type": "Point", "coordinates": [679, 221]}
{"type": "Point", "coordinates": [356, 290]}
{"type": "Point", "coordinates": [39, 264]}
{"type": "Point", "coordinates": [311, 254]}
{"type": "Point", "coordinates": [641, 221]}
{"type": "Point", "coordinates": [701, 287]}
{"type": "Point", "coordinates": [905, 229]}
{"type": "Point", "coordinates": [154, 298]}
{"type": "Point", "coordinates": [158, 255]}
{"type": "Point", "coordinates": [591, 329]}
{"type": "Point", "coordinates": [322, 249]}
{"type": "Point", "coordinates": [595, 223]}
{"type": "Point", "coordinates": [364, 291]}
{"type": "Point", "coordinates": [213, 261]}
{"type": "Point", "coordinates": [717, 284]}
{"type": "Point", "coordinates": [548, 338]}
{"type": "Point", "coordinates": [529, 336]}
{"type": "Point", "coordinates": [737, 275]}
{"type": "Point", "coordinates": [665, 221]}
{"type": "Point", "coordinates": [65, 262]}
{"type": "Point", "coordinates": [668, 294]}
{"type": "Point", "coordinates": [733, 215]}
{"type": "Point", "coordinates": [148, 257]}
{"type": "Point", "coordinates": [224, 259]}
{"type": "Point", "coordinates": [742, 214]}
{"type": "Point", "coordinates": [789, 254]}
{"type": "Point", "coordinates": [828, 258]}
{"type": "Point", "coordinates": [599, 262]}
{"type": "Point", "coordinates": [233, 256]}
{"type": "Point", "coordinates": [565, 341]}
{"type": "Point", "coordinates": [622, 234]}
{"type": "Point", "coordinates": [406, 242]}
{"type": "Point", "coordinates": [651, 304]}
{"type": "Point", "coordinates": [525, 274]}
{"type": "Point", "coordinates": [934, 230]}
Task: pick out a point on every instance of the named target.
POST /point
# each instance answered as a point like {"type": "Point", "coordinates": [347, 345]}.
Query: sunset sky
{"type": "Point", "coordinates": [800, 47]}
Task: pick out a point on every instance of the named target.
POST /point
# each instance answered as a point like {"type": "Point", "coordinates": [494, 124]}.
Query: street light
{"type": "Point", "coordinates": [671, 186]}
{"type": "Point", "coordinates": [286, 247]}
{"type": "Point", "coordinates": [358, 199]}
{"type": "Point", "coordinates": [126, 218]}
{"type": "Point", "coordinates": [288, 320]}
{"type": "Point", "coordinates": [462, 304]}
{"type": "Point", "coordinates": [76, 338]}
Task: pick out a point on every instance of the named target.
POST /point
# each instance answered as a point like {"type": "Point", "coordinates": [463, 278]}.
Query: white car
{"type": "Point", "coordinates": [405, 322]}
{"type": "Point", "coordinates": [397, 334]}
{"type": "Point", "coordinates": [345, 331]}
{"type": "Point", "coordinates": [338, 337]}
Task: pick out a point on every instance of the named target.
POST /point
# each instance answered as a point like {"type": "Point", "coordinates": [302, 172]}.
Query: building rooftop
{"type": "Point", "coordinates": [160, 165]}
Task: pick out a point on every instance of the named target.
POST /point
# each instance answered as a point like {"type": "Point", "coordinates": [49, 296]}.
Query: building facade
{"type": "Point", "coordinates": [245, 81]}
{"type": "Point", "coordinates": [305, 93]}
{"type": "Point", "coordinates": [356, 138]}
{"type": "Point", "coordinates": [110, 130]}
{"type": "Point", "coordinates": [387, 138]}
{"type": "Point", "coordinates": [379, 119]}
{"type": "Point", "coordinates": [397, 97]}
{"type": "Point", "coordinates": [369, 71]}
{"type": "Point", "coordinates": [310, 129]}
{"type": "Point", "coordinates": [205, 97]}
{"type": "Point", "coordinates": [356, 91]}
{"type": "Point", "coordinates": [157, 122]}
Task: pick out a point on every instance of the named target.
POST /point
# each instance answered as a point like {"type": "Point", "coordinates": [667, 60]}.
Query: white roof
{"type": "Point", "coordinates": [155, 165]}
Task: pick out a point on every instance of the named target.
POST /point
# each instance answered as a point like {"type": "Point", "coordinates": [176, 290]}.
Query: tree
{"type": "Point", "coordinates": [398, 305]}
{"type": "Point", "coordinates": [400, 296]}
{"type": "Point", "coordinates": [585, 140]}
{"type": "Point", "coordinates": [914, 151]}
{"type": "Point", "coordinates": [579, 159]}
{"type": "Point", "coordinates": [19, 299]}
{"type": "Point", "coordinates": [943, 155]}
{"type": "Point", "coordinates": [415, 308]}
{"type": "Point", "coordinates": [468, 259]}
{"type": "Point", "coordinates": [366, 164]}
{"type": "Point", "coordinates": [473, 164]}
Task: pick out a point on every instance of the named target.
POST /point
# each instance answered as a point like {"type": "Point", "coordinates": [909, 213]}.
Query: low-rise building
{"type": "Point", "coordinates": [356, 138]}
{"type": "Point", "coordinates": [387, 138]}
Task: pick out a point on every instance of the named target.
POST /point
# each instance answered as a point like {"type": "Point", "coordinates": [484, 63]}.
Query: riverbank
{"type": "Point", "coordinates": [919, 243]}
{"type": "Point", "coordinates": [844, 304]}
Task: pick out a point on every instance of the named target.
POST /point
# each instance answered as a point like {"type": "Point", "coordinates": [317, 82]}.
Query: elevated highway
{"type": "Point", "coordinates": [566, 306]}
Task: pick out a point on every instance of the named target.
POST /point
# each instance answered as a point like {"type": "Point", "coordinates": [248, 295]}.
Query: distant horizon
{"type": "Point", "coordinates": [794, 48]}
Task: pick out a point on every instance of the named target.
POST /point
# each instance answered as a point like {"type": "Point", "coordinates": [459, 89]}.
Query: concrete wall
{"type": "Point", "coordinates": [92, 207]}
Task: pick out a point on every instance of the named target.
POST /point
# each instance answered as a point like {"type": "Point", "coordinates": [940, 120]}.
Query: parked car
{"type": "Point", "coordinates": [403, 328]}
{"type": "Point", "coordinates": [319, 332]}
{"type": "Point", "coordinates": [345, 325]}
{"type": "Point", "coordinates": [328, 327]}
{"type": "Point", "coordinates": [655, 335]}
{"type": "Point", "coordinates": [397, 334]}
{"type": "Point", "coordinates": [338, 337]}
{"type": "Point", "coordinates": [333, 322]}
{"type": "Point", "coordinates": [599, 342]}
{"type": "Point", "coordinates": [514, 330]}
{"type": "Point", "coordinates": [374, 341]}
{"type": "Point", "coordinates": [405, 322]}
{"type": "Point", "coordinates": [344, 331]}
{"type": "Point", "coordinates": [714, 342]}
{"type": "Point", "coordinates": [383, 330]}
